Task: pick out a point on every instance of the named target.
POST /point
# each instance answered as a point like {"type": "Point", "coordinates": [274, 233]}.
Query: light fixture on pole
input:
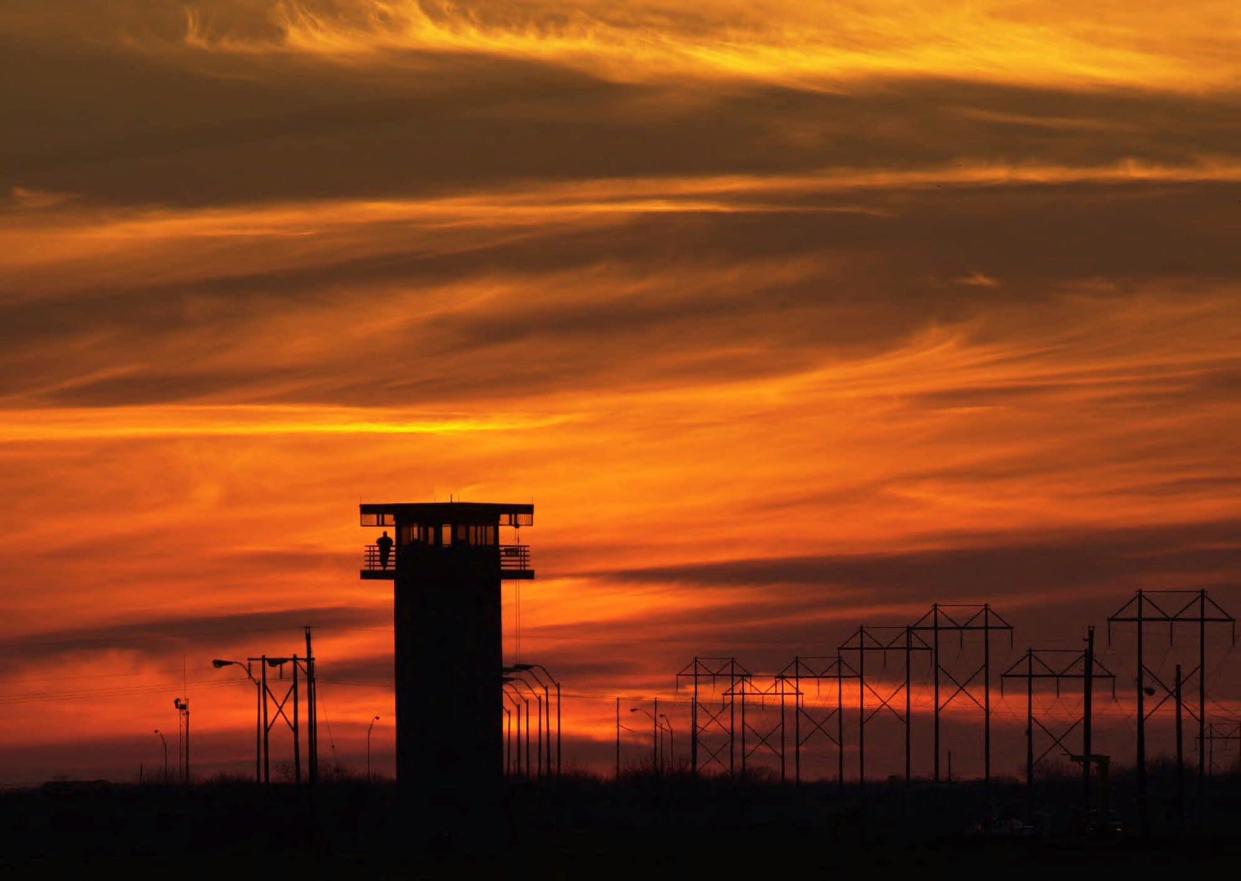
{"type": "Point", "coordinates": [369, 729]}
{"type": "Point", "coordinates": [535, 670]}
{"type": "Point", "coordinates": [183, 709]}
{"type": "Point", "coordinates": [165, 740]}
{"type": "Point", "coordinates": [538, 700]}
{"type": "Point", "coordinates": [219, 664]}
{"type": "Point", "coordinates": [672, 746]}
{"type": "Point", "coordinates": [654, 734]}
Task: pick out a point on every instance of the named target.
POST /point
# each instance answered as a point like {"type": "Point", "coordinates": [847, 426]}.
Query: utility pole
{"type": "Point", "coordinates": [986, 692]}
{"type": "Point", "coordinates": [297, 732]}
{"type": "Point", "coordinates": [1029, 727]}
{"type": "Point", "coordinates": [259, 726]}
{"type": "Point", "coordinates": [1180, 749]}
{"type": "Point", "coordinates": [693, 723]}
{"type": "Point", "coordinates": [840, 724]}
{"type": "Point", "coordinates": [266, 724]}
{"type": "Point", "coordinates": [935, 688]}
{"type": "Point", "coordinates": [1087, 717]}
{"type": "Point", "coordinates": [861, 726]}
{"type": "Point", "coordinates": [1059, 666]}
{"type": "Point", "coordinates": [1202, 703]}
{"type": "Point", "coordinates": [908, 705]}
{"type": "Point", "coordinates": [732, 717]}
{"type": "Point", "coordinates": [655, 738]}
{"type": "Point", "coordinates": [744, 725]}
{"type": "Point", "coordinates": [312, 711]}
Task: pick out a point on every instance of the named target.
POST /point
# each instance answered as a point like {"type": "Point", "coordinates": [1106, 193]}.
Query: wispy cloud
{"type": "Point", "coordinates": [803, 43]}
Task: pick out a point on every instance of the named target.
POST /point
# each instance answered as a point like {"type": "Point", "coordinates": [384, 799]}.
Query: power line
{"type": "Point", "coordinates": [120, 691]}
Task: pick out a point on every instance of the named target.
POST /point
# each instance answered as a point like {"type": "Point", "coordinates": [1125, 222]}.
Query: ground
{"type": "Point", "coordinates": [581, 827]}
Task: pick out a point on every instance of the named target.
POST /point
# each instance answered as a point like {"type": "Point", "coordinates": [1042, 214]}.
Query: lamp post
{"type": "Point", "coordinates": [219, 664]}
{"type": "Point", "coordinates": [183, 708]}
{"type": "Point", "coordinates": [520, 702]}
{"type": "Point", "coordinates": [516, 701]}
{"type": "Point", "coordinates": [619, 729]}
{"type": "Point", "coordinates": [165, 740]}
{"type": "Point", "coordinates": [538, 698]}
{"type": "Point", "coordinates": [654, 734]}
{"type": "Point", "coordinates": [369, 729]}
{"type": "Point", "coordinates": [534, 670]}
{"type": "Point", "coordinates": [526, 703]}
{"type": "Point", "coordinates": [508, 744]}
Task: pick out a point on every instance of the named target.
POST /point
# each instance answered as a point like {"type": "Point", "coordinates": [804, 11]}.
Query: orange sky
{"type": "Point", "coordinates": [787, 317]}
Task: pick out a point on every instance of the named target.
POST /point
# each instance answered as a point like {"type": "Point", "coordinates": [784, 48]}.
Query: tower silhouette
{"type": "Point", "coordinates": [446, 562]}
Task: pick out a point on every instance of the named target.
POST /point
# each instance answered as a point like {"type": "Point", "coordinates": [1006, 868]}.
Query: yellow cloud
{"type": "Point", "coordinates": [1186, 47]}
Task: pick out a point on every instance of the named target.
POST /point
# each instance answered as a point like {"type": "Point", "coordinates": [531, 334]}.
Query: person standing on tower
{"type": "Point", "coordinates": [384, 543]}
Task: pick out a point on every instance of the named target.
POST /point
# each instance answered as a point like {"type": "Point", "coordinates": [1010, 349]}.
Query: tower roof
{"type": "Point", "coordinates": [390, 513]}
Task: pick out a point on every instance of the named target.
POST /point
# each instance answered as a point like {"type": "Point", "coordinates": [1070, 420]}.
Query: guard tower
{"type": "Point", "coordinates": [447, 563]}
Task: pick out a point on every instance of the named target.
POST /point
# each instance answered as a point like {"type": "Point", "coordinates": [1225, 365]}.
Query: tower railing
{"type": "Point", "coordinates": [513, 558]}
{"type": "Point", "coordinates": [372, 562]}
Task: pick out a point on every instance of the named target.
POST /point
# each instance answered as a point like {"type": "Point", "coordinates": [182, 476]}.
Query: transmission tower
{"type": "Point", "coordinates": [961, 619]}
{"type": "Point", "coordinates": [712, 730]}
{"type": "Point", "coordinates": [770, 737]}
{"type": "Point", "coordinates": [814, 721]}
{"type": "Point", "coordinates": [884, 639]}
{"type": "Point", "coordinates": [1171, 607]}
{"type": "Point", "coordinates": [1227, 731]}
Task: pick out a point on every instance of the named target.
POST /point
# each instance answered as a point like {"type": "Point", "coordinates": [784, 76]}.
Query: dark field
{"type": "Point", "coordinates": [643, 827]}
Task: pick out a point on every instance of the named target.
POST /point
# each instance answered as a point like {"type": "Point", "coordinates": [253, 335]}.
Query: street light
{"type": "Point", "coordinates": [619, 729]}
{"type": "Point", "coordinates": [544, 709]}
{"type": "Point", "coordinates": [508, 747]}
{"type": "Point", "coordinates": [519, 702]}
{"type": "Point", "coordinates": [516, 701]}
{"type": "Point", "coordinates": [534, 670]}
{"type": "Point", "coordinates": [221, 663]}
{"type": "Point", "coordinates": [672, 746]}
{"type": "Point", "coordinates": [517, 680]}
{"type": "Point", "coordinates": [369, 729]}
{"type": "Point", "coordinates": [183, 723]}
{"type": "Point", "coordinates": [165, 740]}
{"type": "Point", "coordinates": [654, 733]}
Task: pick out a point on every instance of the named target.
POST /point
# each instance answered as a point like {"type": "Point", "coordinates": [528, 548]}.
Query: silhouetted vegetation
{"type": "Point", "coordinates": [644, 825]}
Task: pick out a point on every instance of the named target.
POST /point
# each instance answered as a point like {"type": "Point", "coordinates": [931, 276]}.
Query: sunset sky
{"type": "Point", "coordinates": [787, 316]}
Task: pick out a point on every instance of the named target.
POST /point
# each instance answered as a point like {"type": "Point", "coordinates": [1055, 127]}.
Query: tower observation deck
{"type": "Point", "coordinates": [465, 527]}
